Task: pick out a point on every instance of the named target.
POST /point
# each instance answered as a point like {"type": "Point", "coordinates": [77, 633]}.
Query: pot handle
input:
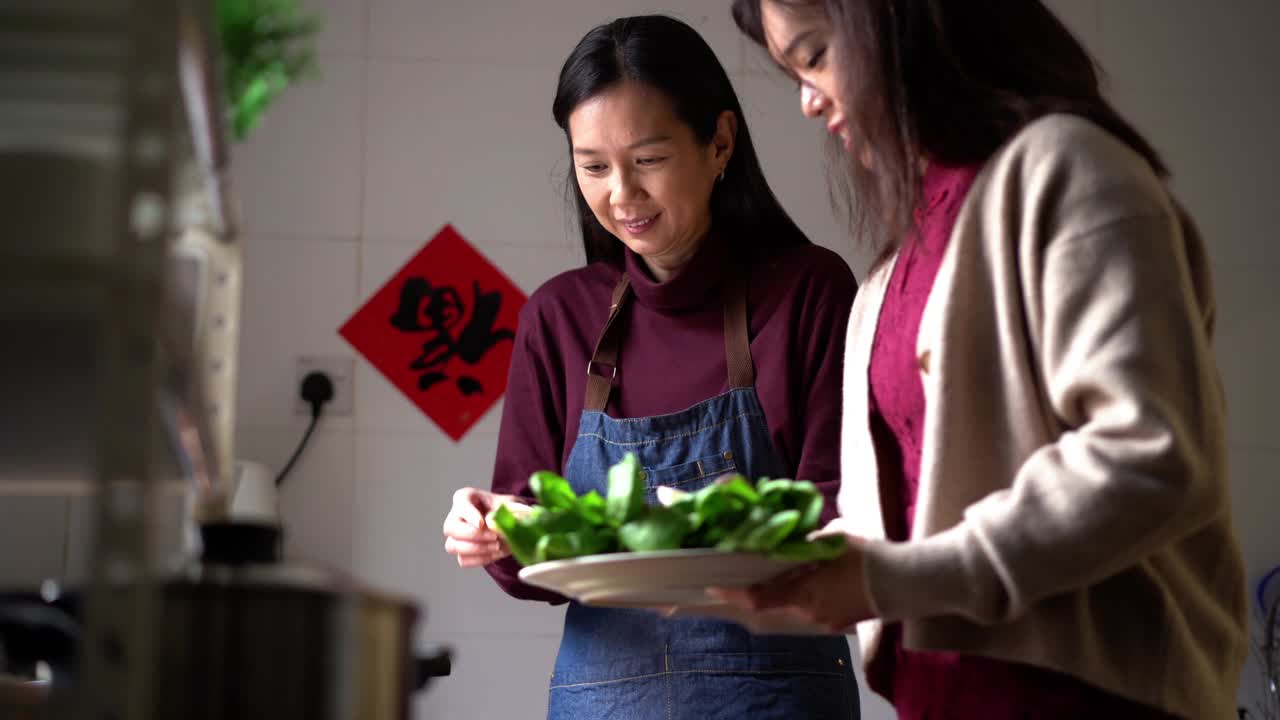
{"type": "Point", "coordinates": [32, 630]}
{"type": "Point", "coordinates": [429, 666]}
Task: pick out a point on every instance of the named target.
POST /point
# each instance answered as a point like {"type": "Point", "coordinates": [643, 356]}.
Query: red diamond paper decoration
{"type": "Point", "coordinates": [441, 331]}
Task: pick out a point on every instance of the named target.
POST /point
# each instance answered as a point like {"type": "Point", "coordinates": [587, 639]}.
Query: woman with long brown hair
{"type": "Point", "coordinates": [1034, 478]}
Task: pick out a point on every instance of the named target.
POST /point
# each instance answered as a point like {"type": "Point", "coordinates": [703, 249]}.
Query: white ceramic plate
{"type": "Point", "coordinates": [653, 579]}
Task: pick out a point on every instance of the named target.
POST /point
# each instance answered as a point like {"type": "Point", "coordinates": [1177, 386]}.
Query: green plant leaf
{"type": "Point", "coordinates": [801, 495]}
{"type": "Point", "coordinates": [266, 45]}
{"type": "Point", "coordinates": [713, 502]}
{"type": "Point", "coordinates": [521, 540]}
{"type": "Point", "coordinates": [591, 541]}
{"type": "Point", "coordinates": [687, 506]}
{"type": "Point", "coordinates": [553, 492]}
{"type": "Point", "coordinates": [626, 491]}
{"type": "Point", "coordinates": [608, 537]}
{"type": "Point", "coordinates": [737, 485]}
{"type": "Point", "coordinates": [811, 514]}
{"type": "Point", "coordinates": [592, 508]}
{"type": "Point", "coordinates": [554, 546]}
{"type": "Point", "coordinates": [556, 521]}
{"type": "Point", "coordinates": [660, 529]}
{"type": "Point", "coordinates": [768, 487]}
{"type": "Point", "coordinates": [721, 508]}
{"type": "Point", "coordinates": [827, 547]}
{"type": "Point", "coordinates": [565, 545]}
{"type": "Point", "coordinates": [736, 539]}
{"type": "Point", "coordinates": [771, 532]}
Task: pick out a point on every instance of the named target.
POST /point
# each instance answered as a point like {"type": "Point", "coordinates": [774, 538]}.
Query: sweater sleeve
{"type": "Point", "coordinates": [1120, 315]}
{"type": "Point", "coordinates": [531, 435]}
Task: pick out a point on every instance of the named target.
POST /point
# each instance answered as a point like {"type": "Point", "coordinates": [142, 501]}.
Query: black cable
{"type": "Point", "coordinates": [317, 389]}
{"type": "Point", "coordinates": [315, 418]}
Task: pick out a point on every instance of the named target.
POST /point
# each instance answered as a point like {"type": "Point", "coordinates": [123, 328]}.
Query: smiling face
{"type": "Point", "coordinates": [646, 177]}
{"type": "Point", "coordinates": [800, 37]}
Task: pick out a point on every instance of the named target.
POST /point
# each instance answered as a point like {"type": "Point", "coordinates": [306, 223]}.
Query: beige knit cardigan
{"type": "Point", "coordinates": [1073, 508]}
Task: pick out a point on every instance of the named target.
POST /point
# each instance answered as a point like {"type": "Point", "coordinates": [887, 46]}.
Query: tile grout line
{"type": "Point", "coordinates": [356, 444]}
{"type": "Point", "coordinates": [349, 543]}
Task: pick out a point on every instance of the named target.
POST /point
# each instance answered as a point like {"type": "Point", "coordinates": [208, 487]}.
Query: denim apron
{"type": "Point", "coordinates": [624, 664]}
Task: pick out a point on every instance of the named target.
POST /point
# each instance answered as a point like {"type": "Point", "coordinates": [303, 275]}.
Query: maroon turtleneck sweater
{"type": "Point", "coordinates": [673, 356]}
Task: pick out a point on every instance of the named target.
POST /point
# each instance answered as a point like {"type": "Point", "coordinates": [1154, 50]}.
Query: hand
{"type": "Point", "coordinates": [467, 535]}
{"type": "Point", "coordinates": [831, 595]}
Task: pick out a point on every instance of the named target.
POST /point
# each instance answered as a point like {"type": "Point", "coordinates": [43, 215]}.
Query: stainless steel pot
{"type": "Point", "coordinates": [273, 641]}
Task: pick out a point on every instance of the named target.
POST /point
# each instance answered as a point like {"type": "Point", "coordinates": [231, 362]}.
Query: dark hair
{"type": "Point", "coordinates": [950, 80]}
{"type": "Point", "coordinates": [669, 56]}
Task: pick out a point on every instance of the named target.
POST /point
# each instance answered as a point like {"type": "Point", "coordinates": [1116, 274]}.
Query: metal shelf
{"type": "Point", "coordinates": [120, 274]}
{"type": "Point", "coordinates": [71, 84]}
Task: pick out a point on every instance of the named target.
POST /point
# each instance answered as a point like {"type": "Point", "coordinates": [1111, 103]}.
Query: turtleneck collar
{"type": "Point", "coordinates": [690, 287]}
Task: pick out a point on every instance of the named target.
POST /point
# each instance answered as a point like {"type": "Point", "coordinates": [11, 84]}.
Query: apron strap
{"type": "Point", "coordinates": [603, 366]}
{"type": "Point", "coordinates": [605, 357]}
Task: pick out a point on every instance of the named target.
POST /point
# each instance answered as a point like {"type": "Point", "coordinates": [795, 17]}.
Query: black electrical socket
{"type": "Point", "coordinates": [316, 390]}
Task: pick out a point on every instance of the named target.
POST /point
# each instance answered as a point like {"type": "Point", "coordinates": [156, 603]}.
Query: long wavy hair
{"type": "Point", "coordinates": [952, 81]}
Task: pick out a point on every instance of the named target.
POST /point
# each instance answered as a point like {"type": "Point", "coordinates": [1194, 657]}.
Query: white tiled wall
{"type": "Point", "coordinates": [431, 112]}
{"type": "Point", "coordinates": [506, 34]}
{"type": "Point", "coordinates": [302, 171]}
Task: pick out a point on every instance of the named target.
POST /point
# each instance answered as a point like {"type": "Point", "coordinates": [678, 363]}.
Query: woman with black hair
{"type": "Point", "coordinates": [1034, 464]}
{"type": "Point", "coordinates": [704, 336]}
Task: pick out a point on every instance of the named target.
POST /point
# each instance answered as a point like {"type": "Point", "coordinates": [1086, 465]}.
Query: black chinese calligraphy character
{"type": "Point", "coordinates": [425, 308]}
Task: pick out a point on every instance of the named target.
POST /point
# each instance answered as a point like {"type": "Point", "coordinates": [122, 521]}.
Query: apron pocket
{"type": "Point", "coordinates": [693, 475]}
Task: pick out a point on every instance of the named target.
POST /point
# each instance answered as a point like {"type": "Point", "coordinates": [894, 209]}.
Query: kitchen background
{"type": "Point", "coordinates": [425, 113]}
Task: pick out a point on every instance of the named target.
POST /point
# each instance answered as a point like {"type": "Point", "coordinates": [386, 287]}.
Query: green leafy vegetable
{"type": "Point", "coordinates": [592, 508]}
{"type": "Point", "coordinates": [737, 539]}
{"type": "Point", "coordinates": [771, 532]}
{"type": "Point", "coordinates": [553, 492]}
{"type": "Point", "coordinates": [737, 486]}
{"type": "Point", "coordinates": [561, 545]}
{"type": "Point", "coordinates": [812, 513]}
{"type": "Point", "coordinates": [659, 529]}
{"type": "Point", "coordinates": [558, 521]}
{"type": "Point", "coordinates": [626, 491]}
{"type": "Point", "coordinates": [521, 539]}
{"type": "Point", "coordinates": [773, 516]}
{"type": "Point", "coordinates": [828, 547]}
